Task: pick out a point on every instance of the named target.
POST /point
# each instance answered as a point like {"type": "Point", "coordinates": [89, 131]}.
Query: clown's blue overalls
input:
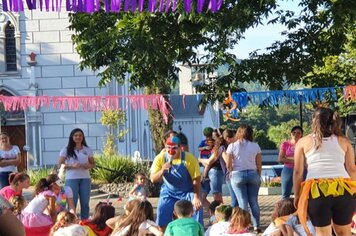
{"type": "Point", "coordinates": [177, 185]}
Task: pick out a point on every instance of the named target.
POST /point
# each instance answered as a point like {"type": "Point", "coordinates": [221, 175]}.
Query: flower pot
{"type": "Point", "coordinates": [270, 191]}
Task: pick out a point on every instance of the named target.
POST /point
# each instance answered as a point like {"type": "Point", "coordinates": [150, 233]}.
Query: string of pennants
{"type": "Point", "coordinates": [90, 6]}
{"type": "Point", "coordinates": [236, 101]}
{"type": "Point", "coordinates": [87, 103]}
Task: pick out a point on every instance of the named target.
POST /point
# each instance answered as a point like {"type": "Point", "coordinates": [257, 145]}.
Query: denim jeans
{"type": "Point", "coordinates": [287, 181]}
{"type": "Point", "coordinates": [81, 188]}
{"type": "Point", "coordinates": [234, 202]}
{"type": "Point", "coordinates": [216, 180]}
{"type": "Point", "coordinates": [246, 184]}
{"type": "Point", "coordinates": [4, 179]}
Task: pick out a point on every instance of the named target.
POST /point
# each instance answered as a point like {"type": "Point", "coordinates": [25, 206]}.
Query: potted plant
{"type": "Point", "coordinates": [270, 188]}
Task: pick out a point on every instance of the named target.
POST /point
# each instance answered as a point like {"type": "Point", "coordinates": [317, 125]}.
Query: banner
{"type": "Point", "coordinates": [87, 103]}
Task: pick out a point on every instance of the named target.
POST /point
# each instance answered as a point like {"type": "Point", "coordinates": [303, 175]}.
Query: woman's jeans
{"type": "Point", "coordinates": [287, 182]}
{"type": "Point", "coordinates": [82, 188]}
{"type": "Point", "coordinates": [4, 179]}
{"type": "Point", "coordinates": [246, 184]}
{"type": "Point", "coordinates": [234, 202]}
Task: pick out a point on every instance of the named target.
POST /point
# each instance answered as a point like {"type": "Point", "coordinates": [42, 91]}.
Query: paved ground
{"type": "Point", "coordinates": [266, 205]}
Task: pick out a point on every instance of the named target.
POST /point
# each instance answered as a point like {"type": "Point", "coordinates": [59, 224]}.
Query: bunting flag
{"type": "Point", "coordinates": [277, 97]}
{"type": "Point", "coordinates": [350, 92]}
{"type": "Point", "coordinates": [90, 6]}
{"type": "Point", "coordinates": [88, 103]}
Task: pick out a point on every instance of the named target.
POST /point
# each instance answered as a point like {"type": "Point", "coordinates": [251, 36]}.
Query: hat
{"type": "Point", "coordinates": [59, 182]}
{"type": "Point", "coordinates": [173, 141]}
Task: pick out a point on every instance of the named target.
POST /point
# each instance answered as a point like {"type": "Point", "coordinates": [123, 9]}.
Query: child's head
{"type": "Point", "coordinates": [213, 206]}
{"type": "Point", "coordinates": [130, 205]}
{"type": "Point", "coordinates": [64, 219]}
{"type": "Point", "coordinates": [140, 213]}
{"type": "Point", "coordinates": [103, 212]}
{"type": "Point", "coordinates": [183, 209]}
{"type": "Point", "coordinates": [283, 207]}
{"type": "Point", "coordinates": [21, 180]}
{"type": "Point", "coordinates": [140, 178]}
{"type": "Point", "coordinates": [19, 204]}
{"type": "Point", "coordinates": [208, 132]}
{"type": "Point", "coordinates": [52, 182]}
{"type": "Point", "coordinates": [240, 220]}
{"type": "Point", "coordinates": [223, 212]}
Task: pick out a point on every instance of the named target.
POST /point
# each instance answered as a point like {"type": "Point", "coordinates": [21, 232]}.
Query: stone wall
{"type": "Point", "coordinates": [123, 189]}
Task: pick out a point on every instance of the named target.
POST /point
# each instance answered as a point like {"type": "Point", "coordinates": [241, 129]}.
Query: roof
{"type": "Point", "coordinates": [186, 106]}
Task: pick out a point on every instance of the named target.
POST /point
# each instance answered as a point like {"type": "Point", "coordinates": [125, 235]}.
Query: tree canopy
{"type": "Point", "coordinates": [316, 37]}
{"type": "Point", "coordinates": [149, 45]}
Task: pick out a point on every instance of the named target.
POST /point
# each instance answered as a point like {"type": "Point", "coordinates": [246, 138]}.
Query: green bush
{"type": "Point", "coordinates": [271, 184]}
{"type": "Point", "coordinates": [123, 169]}
{"type": "Point", "coordinates": [37, 174]}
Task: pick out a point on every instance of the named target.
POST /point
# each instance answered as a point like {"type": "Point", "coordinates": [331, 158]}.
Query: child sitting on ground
{"type": "Point", "coordinates": [97, 225]}
{"type": "Point", "coordinates": [240, 223]}
{"type": "Point", "coordinates": [36, 222]}
{"type": "Point", "coordinates": [138, 222]}
{"type": "Point", "coordinates": [19, 203]}
{"type": "Point", "coordinates": [184, 225]}
{"type": "Point", "coordinates": [128, 207]}
{"type": "Point", "coordinates": [212, 207]}
{"type": "Point", "coordinates": [223, 214]}
{"type": "Point", "coordinates": [66, 226]}
{"type": "Point", "coordinates": [138, 190]}
{"type": "Point", "coordinates": [284, 222]}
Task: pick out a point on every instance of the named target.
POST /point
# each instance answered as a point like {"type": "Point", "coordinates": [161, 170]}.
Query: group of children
{"type": "Point", "coordinates": [41, 216]}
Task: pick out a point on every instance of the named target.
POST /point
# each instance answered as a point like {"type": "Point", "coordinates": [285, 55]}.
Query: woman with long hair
{"type": "Point", "coordinates": [78, 159]}
{"type": "Point", "coordinates": [327, 195]}
{"type": "Point", "coordinates": [10, 157]}
{"type": "Point", "coordinates": [245, 164]}
{"type": "Point", "coordinates": [18, 181]}
{"type": "Point", "coordinates": [139, 222]}
{"type": "Point", "coordinates": [286, 156]}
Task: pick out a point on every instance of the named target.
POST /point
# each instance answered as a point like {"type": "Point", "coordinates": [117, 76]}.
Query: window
{"type": "Point", "coordinates": [10, 47]}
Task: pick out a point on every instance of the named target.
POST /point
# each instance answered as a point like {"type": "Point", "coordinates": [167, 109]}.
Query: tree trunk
{"type": "Point", "coordinates": [158, 127]}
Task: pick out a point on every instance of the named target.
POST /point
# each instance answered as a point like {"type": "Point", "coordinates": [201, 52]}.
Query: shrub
{"type": "Point", "coordinates": [271, 184]}
{"type": "Point", "coordinates": [37, 174]}
{"type": "Point", "coordinates": [117, 169]}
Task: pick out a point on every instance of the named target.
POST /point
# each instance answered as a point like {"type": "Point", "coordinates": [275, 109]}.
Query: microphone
{"type": "Point", "coordinates": [171, 153]}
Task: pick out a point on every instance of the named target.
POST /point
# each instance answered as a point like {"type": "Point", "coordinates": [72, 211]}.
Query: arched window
{"type": "Point", "coordinates": [10, 47]}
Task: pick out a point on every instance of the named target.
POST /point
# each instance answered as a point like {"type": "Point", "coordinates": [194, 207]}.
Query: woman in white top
{"type": "Point", "coordinates": [327, 195]}
{"type": "Point", "coordinates": [10, 157]}
{"type": "Point", "coordinates": [78, 159]}
{"type": "Point", "coordinates": [245, 161]}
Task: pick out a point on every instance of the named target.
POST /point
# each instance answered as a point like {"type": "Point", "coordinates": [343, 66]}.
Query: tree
{"type": "Point", "coordinates": [320, 30]}
{"type": "Point", "coordinates": [148, 46]}
{"type": "Point", "coordinates": [340, 70]}
{"type": "Point", "coordinates": [112, 119]}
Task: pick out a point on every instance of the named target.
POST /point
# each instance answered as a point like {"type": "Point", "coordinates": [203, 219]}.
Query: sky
{"type": "Point", "coordinates": [263, 35]}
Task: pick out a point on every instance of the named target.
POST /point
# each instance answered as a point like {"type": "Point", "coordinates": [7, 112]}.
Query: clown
{"type": "Point", "coordinates": [180, 173]}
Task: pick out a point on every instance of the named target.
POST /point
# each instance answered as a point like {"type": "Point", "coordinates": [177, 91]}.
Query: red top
{"type": "Point", "coordinates": [104, 232]}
